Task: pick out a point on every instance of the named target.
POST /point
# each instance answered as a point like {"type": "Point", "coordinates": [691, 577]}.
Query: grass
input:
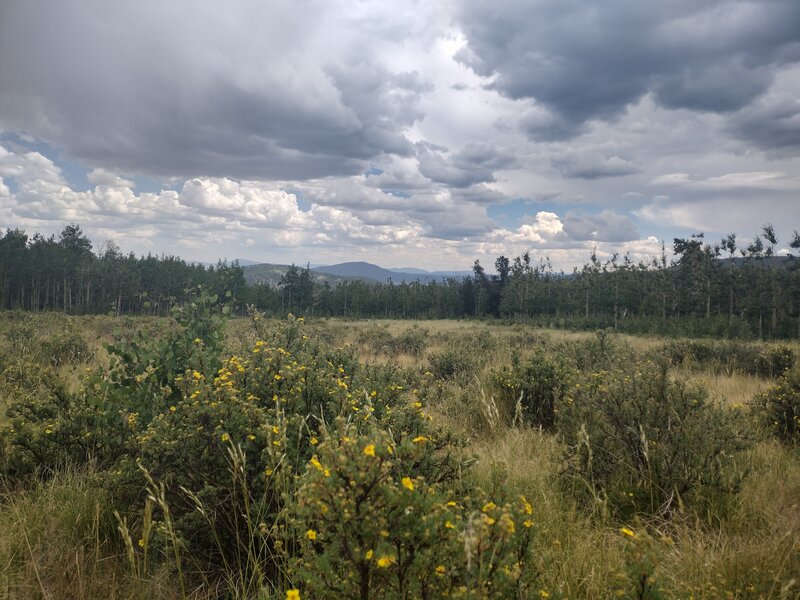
{"type": "Point", "coordinates": [60, 537]}
{"type": "Point", "coordinates": [59, 543]}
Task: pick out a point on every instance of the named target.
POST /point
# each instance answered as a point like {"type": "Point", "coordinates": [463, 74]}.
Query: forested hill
{"type": "Point", "coordinates": [706, 289]}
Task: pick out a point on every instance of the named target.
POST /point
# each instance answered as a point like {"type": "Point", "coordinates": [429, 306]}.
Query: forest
{"type": "Point", "coordinates": [707, 289]}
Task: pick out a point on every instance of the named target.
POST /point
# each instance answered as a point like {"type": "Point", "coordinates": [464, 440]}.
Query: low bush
{"type": "Point", "coordinates": [642, 443]}
{"type": "Point", "coordinates": [371, 527]}
{"type": "Point", "coordinates": [537, 384]}
{"type": "Point", "coordinates": [778, 408]}
{"type": "Point", "coordinates": [452, 362]}
{"type": "Point", "coordinates": [731, 356]}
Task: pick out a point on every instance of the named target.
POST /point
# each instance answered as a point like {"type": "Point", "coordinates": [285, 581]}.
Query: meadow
{"type": "Point", "coordinates": [204, 457]}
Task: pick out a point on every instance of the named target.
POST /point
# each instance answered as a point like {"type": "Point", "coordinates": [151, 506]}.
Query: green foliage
{"type": "Point", "coordinates": [779, 408]}
{"type": "Point", "coordinates": [538, 384]}
{"type": "Point", "coordinates": [642, 556]}
{"type": "Point", "coordinates": [731, 357]}
{"type": "Point", "coordinates": [452, 362]}
{"type": "Point", "coordinates": [412, 341]}
{"type": "Point", "coordinates": [141, 381]}
{"type": "Point", "coordinates": [642, 443]}
{"type": "Point", "coordinates": [67, 348]}
{"type": "Point", "coordinates": [370, 526]}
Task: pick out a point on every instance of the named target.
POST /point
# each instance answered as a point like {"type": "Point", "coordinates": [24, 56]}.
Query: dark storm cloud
{"type": "Point", "coordinates": [544, 126]}
{"type": "Point", "coordinates": [196, 88]}
{"type": "Point", "coordinates": [773, 123]}
{"type": "Point", "coordinates": [583, 60]}
{"type": "Point", "coordinates": [474, 163]}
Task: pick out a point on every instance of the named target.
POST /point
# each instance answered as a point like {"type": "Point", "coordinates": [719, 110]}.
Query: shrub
{"type": "Point", "coordinates": [65, 348]}
{"type": "Point", "coordinates": [731, 356]}
{"type": "Point", "coordinates": [370, 527]}
{"type": "Point", "coordinates": [537, 384]}
{"type": "Point", "coordinates": [450, 363]}
{"type": "Point", "coordinates": [779, 408]}
{"type": "Point", "coordinates": [641, 442]}
{"type": "Point", "coordinates": [774, 361]}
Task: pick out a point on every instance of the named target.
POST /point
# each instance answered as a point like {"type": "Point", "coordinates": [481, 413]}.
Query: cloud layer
{"type": "Point", "coordinates": [427, 132]}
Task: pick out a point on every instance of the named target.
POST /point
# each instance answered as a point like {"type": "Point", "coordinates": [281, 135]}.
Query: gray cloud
{"type": "Point", "coordinates": [187, 88]}
{"type": "Point", "coordinates": [589, 166]}
{"type": "Point", "coordinates": [773, 123]}
{"type": "Point", "coordinates": [607, 226]}
{"type": "Point", "coordinates": [584, 62]}
{"type": "Point", "coordinates": [542, 125]}
{"type": "Point", "coordinates": [474, 163]}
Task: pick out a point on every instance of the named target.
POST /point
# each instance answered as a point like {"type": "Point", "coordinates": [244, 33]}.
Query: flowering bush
{"type": "Point", "coordinates": [537, 383]}
{"type": "Point", "coordinates": [369, 526]}
{"type": "Point", "coordinates": [779, 407]}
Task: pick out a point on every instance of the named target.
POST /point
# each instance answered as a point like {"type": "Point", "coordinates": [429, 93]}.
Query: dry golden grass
{"type": "Point", "coordinates": [735, 390]}
{"type": "Point", "coordinates": [55, 545]}
{"type": "Point", "coordinates": [54, 538]}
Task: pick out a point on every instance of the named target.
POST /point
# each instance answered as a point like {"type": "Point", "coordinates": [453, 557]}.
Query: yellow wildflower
{"type": "Point", "coordinates": [293, 594]}
{"type": "Point", "coordinates": [369, 450]}
{"type": "Point", "coordinates": [385, 561]}
{"type": "Point", "coordinates": [407, 483]}
{"type": "Point", "coordinates": [311, 534]}
{"type": "Point", "coordinates": [440, 570]}
{"type": "Point", "coordinates": [225, 437]}
{"type": "Point", "coordinates": [526, 505]}
{"type": "Point", "coordinates": [628, 532]}
{"type": "Point", "coordinates": [368, 555]}
{"type": "Point", "coordinates": [420, 439]}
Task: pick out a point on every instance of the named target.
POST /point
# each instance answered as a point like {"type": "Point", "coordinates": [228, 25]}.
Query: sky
{"type": "Point", "coordinates": [423, 133]}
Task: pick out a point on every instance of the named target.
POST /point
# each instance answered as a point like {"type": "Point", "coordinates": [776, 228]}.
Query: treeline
{"type": "Point", "coordinates": [708, 289]}
{"type": "Point", "coordinates": [64, 274]}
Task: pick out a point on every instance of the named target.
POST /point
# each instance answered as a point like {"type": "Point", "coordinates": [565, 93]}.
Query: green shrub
{"type": "Point", "coordinates": [731, 356]}
{"type": "Point", "coordinates": [369, 526]}
{"type": "Point", "coordinates": [64, 348]}
{"type": "Point", "coordinates": [450, 363]}
{"type": "Point", "coordinates": [643, 443]}
{"type": "Point", "coordinates": [538, 383]}
{"type": "Point", "coordinates": [779, 408]}
{"type": "Point", "coordinates": [412, 341]}
{"type": "Point", "coordinates": [774, 361]}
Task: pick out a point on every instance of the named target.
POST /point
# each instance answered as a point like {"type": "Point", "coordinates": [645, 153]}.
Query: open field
{"type": "Point", "coordinates": [701, 515]}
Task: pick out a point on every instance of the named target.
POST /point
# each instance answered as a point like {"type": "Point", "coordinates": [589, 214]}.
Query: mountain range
{"type": "Point", "coordinates": [349, 271]}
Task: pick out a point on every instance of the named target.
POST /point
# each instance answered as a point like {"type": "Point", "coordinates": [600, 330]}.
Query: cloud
{"type": "Point", "coordinates": [103, 177]}
{"type": "Point", "coordinates": [253, 90]}
{"type": "Point", "coordinates": [607, 226]}
{"type": "Point", "coordinates": [474, 163]}
{"type": "Point", "coordinates": [750, 180]}
{"type": "Point", "coordinates": [585, 166]}
{"type": "Point", "coordinates": [543, 125]}
{"type": "Point", "coordinates": [581, 62]}
{"type": "Point", "coordinates": [773, 121]}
